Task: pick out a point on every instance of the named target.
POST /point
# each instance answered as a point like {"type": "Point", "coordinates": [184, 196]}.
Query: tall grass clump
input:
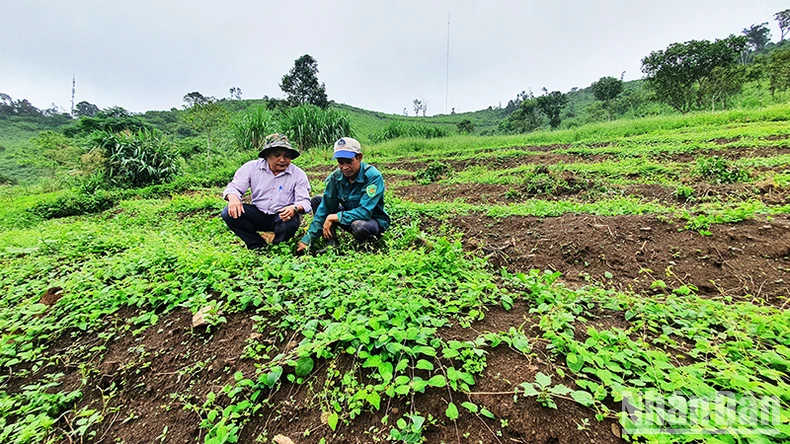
{"type": "Point", "coordinates": [250, 131]}
{"type": "Point", "coordinates": [136, 159]}
{"type": "Point", "coordinates": [310, 126]}
{"type": "Point", "coordinates": [397, 129]}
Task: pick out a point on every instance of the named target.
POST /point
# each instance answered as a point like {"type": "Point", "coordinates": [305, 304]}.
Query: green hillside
{"type": "Point", "coordinates": [528, 285]}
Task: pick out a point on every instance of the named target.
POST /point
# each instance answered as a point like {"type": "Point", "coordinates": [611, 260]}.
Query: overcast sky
{"type": "Point", "coordinates": [146, 54]}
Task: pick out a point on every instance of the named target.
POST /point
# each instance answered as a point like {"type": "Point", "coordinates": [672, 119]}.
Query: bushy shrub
{"type": "Point", "coordinates": [113, 120]}
{"type": "Point", "coordinates": [541, 181]}
{"type": "Point", "coordinates": [397, 128]}
{"type": "Point", "coordinates": [74, 204]}
{"type": "Point", "coordinates": [59, 149]}
{"type": "Point", "coordinates": [5, 180]}
{"type": "Point", "coordinates": [431, 173]}
{"type": "Point", "coordinates": [465, 126]}
{"type": "Point", "coordinates": [250, 131]}
{"type": "Point", "coordinates": [719, 170]}
{"type": "Point", "coordinates": [310, 126]}
{"type": "Point", "coordinates": [137, 159]}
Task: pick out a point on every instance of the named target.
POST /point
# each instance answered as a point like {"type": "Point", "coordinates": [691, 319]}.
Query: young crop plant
{"type": "Point", "coordinates": [684, 193]}
{"type": "Point", "coordinates": [719, 170]}
{"type": "Point", "coordinates": [432, 173]}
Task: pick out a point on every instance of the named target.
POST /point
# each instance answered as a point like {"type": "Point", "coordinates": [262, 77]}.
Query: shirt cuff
{"type": "Point", "coordinates": [306, 207]}
{"type": "Point", "coordinates": [306, 239]}
{"type": "Point", "coordinates": [227, 193]}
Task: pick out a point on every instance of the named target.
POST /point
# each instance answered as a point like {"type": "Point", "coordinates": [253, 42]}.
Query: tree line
{"type": "Point", "coordinates": [689, 76]}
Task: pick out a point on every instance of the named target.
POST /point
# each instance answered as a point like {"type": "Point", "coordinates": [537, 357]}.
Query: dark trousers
{"type": "Point", "coordinates": [362, 230]}
{"type": "Point", "coordinates": [254, 220]}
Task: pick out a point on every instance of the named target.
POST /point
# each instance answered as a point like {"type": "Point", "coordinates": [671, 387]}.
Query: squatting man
{"type": "Point", "coordinates": [353, 199]}
{"type": "Point", "coordinates": [280, 193]}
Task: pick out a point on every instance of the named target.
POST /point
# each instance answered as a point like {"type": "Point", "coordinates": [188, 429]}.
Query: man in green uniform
{"type": "Point", "coordinates": [353, 199]}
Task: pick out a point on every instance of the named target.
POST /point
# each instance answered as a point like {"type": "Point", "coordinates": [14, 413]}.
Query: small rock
{"type": "Point", "coordinates": [645, 229]}
{"type": "Point", "coordinates": [324, 418]}
{"type": "Point", "coordinates": [280, 439]}
{"type": "Point", "coordinates": [766, 227]}
{"type": "Point", "coordinates": [199, 318]}
{"type": "Point", "coordinates": [616, 430]}
{"type": "Point", "coordinates": [254, 336]}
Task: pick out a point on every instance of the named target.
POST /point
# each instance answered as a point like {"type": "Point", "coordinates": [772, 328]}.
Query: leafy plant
{"type": "Point", "coordinates": [684, 193]}
{"type": "Point", "coordinates": [543, 391]}
{"type": "Point", "coordinates": [408, 432]}
{"type": "Point", "coordinates": [310, 126]}
{"type": "Point", "coordinates": [719, 170]}
{"type": "Point", "coordinates": [250, 131]}
{"type": "Point", "coordinates": [431, 173]}
{"type": "Point", "coordinates": [137, 159]}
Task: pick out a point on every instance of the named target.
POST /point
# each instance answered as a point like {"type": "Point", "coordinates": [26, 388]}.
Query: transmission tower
{"type": "Point", "coordinates": [73, 89]}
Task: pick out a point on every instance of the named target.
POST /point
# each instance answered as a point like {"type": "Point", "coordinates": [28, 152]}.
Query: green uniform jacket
{"type": "Point", "coordinates": [362, 199]}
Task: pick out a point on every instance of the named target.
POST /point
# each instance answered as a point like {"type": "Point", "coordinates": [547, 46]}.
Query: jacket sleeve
{"type": "Point", "coordinates": [374, 190]}
{"type": "Point", "coordinates": [302, 192]}
{"type": "Point", "coordinates": [329, 205]}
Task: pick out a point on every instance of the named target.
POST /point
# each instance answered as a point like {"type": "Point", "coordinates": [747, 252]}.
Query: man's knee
{"type": "Point", "coordinates": [362, 230]}
{"type": "Point", "coordinates": [315, 202]}
{"type": "Point", "coordinates": [287, 228]}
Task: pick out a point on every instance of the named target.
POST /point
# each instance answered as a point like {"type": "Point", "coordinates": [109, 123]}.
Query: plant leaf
{"type": "Point", "coordinates": [451, 412]}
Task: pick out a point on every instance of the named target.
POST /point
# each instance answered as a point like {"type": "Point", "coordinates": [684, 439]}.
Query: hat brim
{"type": "Point", "coordinates": [342, 154]}
{"type": "Point", "coordinates": [294, 153]}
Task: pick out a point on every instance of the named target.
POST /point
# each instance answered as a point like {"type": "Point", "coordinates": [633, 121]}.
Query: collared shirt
{"type": "Point", "coordinates": [362, 199]}
{"type": "Point", "coordinates": [270, 192]}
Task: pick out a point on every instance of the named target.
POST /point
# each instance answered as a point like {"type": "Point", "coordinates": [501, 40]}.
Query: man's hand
{"type": "Point", "coordinates": [287, 213]}
{"type": "Point", "coordinates": [235, 207]}
{"type": "Point", "coordinates": [331, 219]}
{"type": "Point", "coordinates": [301, 247]}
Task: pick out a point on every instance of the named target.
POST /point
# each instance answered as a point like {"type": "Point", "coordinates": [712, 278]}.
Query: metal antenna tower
{"type": "Point", "coordinates": [73, 89]}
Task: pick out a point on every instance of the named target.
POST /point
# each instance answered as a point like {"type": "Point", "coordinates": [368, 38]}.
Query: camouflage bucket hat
{"type": "Point", "coordinates": [277, 141]}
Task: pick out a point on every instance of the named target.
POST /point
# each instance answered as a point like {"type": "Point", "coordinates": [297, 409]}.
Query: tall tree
{"type": "Point", "coordinates": [675, 73]}
{"type": "Point", "coordinates": [6, 104]}
{"type": "Point", "coordinates": [783, 17]}
{"type": "Point", "coordinates": [779, 70]}
{"type": "Point", "coordinates": [722, 83]}
{"type": "Point", "coordinates": [301, 85]}
{"type": "Point", "coordinates": [417, 104]}
{"type": "Point", "coordinates": [607, 89]}
{"type": "Point", "coordinates": [757, 36]}
{"type": "Point", "coordinates": [524, 119]}
{"type": "Point", "coordinates": [85, 109]}
{"type": "Point", "coordinates": [235, 93]}
{"type": "Point", "coordinates": [552, 103]}
{"type": "Point", "coordinates": [195, 98]}
{"type": "Point", "coordinates": [25, 108]}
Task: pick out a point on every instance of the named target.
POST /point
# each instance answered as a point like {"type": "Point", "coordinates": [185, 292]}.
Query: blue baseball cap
{"type": "Point", "coordinates": [346, 148]}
